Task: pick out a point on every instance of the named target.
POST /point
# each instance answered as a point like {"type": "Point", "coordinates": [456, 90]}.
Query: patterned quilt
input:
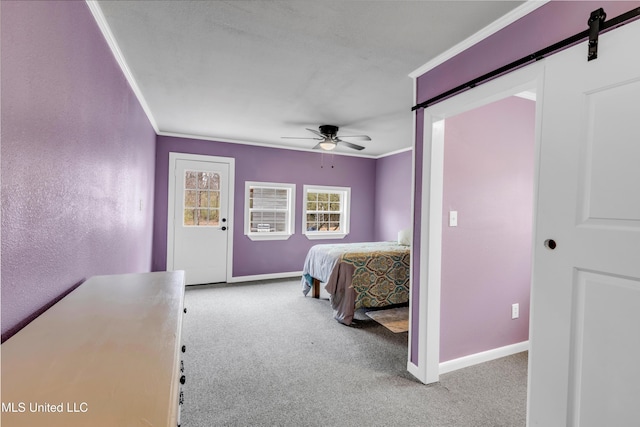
{"type": "Point", "coordinates": [381, 275]}
{"type": "Point", "coordinates": [377, 272]}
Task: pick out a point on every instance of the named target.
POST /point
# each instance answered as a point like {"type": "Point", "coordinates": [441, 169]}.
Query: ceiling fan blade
{"type": "Point", "coordinates": [350, 145]}
{"type": "Point", "coordinates": [316, 132]}
{"type": "Point", "coordinates": [300, 137]}
{"type": "Point", "coordinates": [359, 137]}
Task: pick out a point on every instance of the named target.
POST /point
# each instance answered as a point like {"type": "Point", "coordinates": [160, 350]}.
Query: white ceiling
{"type": "Point", "coordinates": [253, 71]}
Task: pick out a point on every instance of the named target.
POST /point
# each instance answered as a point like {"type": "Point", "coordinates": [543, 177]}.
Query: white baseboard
{"type": "Point", "coordinates": [485, 356]}
{"type": "Point", "coordinates": [265, 277]}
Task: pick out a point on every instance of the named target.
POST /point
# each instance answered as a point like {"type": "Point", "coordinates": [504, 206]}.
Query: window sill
{"type": "Point", "coordinates": [321, 236]}
{"type": "Point", "coordinates": [268, 236]}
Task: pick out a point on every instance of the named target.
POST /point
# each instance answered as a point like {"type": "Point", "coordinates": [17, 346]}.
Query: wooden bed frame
{"type": "Point", "coordinates": [316, 288]}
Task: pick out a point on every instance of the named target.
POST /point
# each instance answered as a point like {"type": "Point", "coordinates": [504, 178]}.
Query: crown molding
{"type": "Point", "coordinates": [393, 153]}
{"type": "Point", "coordinates": [517, 13]}
{"type": "Point", "coordinates": [278, 147]}
{"type": "Point", "coordinates": [264, 145]}
{"type": "Point", "coordinates": [96, 11]}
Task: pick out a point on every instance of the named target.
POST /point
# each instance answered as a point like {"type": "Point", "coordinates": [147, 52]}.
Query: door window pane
{"type": "Point", "coordinates": [190, 180]}
{"type": "Point", "coordinates": [201, 198]}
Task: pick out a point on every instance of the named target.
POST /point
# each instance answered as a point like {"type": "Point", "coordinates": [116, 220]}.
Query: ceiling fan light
{"type": "Point", "coordinates": [327, 145]}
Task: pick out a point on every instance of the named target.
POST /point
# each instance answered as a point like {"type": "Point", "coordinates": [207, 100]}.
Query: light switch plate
{"type": "Point", "coordinates": [453, 218]}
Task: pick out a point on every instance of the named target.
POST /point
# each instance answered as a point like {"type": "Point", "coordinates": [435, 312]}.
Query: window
{"type": "Point", "coordinates": [326, 212]}
{"type": "Point", "coordinates": [201, 199]}
{"type": "Point", "coordinates": [269, 210]}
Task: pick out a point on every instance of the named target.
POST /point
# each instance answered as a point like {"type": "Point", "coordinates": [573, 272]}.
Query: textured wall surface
{"type": "Point", "coordinates": [271, 165]}
{"type": "Point", "coordinates": [77, 159]}
{"type": "Point", "coordinates": [393, 195]}
{"type": "Point", "coordinates": [486, 259]}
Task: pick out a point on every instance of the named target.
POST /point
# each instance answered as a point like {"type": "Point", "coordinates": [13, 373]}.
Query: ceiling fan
{"type": "Point", "coordinates": [328, 137]}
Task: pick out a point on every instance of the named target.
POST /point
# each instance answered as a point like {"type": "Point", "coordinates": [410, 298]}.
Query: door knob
{"type": "Point", "coordinates": [550, 244]}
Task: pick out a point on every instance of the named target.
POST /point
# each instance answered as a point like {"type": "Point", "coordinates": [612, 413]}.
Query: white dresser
{"type": "Point", "coordinates": [107, 354]}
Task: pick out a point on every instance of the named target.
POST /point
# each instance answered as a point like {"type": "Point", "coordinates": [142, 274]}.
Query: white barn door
{"type": "Point", "coordinates": [585, 333]}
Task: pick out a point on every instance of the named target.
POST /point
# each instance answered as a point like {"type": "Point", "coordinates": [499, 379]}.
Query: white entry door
{"type": "Point", "coordinates": [585, 333]}
{"type": "Point", "coordinates": [200, 214]}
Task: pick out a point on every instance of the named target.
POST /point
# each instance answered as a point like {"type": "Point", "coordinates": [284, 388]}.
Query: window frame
{"type": "Point", "coordinates": [290, 217]}
{"type": "Point", "coordinates": [345, 212]}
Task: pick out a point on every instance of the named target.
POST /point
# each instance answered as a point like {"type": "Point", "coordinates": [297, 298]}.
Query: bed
{"type": "Point", "coordinates": [358, 275]}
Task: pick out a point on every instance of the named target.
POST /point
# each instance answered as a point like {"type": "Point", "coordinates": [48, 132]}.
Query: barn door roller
{"type": "Point", "coordinates": [595, 21]}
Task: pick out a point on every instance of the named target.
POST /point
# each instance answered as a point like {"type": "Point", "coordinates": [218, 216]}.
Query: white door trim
{"type": "Point", "coordinates": [530, 77]}
{"type": "Point", "coordinates": [171, 204]}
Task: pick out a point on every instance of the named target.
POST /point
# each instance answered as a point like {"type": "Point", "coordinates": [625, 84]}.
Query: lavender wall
{"type": "Point", "coordinates": [77, 159]}
{"type": "Point", "coordinates": [486, 259]}
{"type": "Point", "coordinates": [271, 165]}
{"type": "Point", "coordinates": [548, 24]}
{"type": "Point", "coordinates": [393, 195]}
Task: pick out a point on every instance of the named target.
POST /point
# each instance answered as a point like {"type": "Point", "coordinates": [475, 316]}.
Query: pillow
{"type": "Point", "coordinates": [405, 237]}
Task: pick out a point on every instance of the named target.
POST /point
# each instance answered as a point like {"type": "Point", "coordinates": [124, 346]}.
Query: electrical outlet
{"type": "Point", "coordinates": [515, 311]}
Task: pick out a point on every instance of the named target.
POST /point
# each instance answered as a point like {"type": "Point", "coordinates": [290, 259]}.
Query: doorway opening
{"type": "Point", "coordinates": [438, 307]}
{"type": "Point", "coordinates": [487, 231]}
